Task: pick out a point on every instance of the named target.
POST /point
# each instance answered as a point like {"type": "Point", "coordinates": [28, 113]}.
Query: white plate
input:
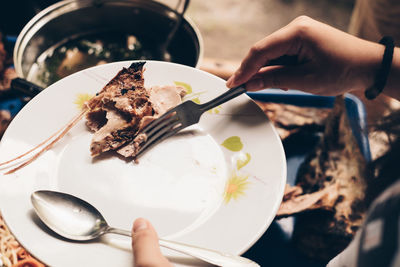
{"type": "Point", "coordinates": [217, 185]}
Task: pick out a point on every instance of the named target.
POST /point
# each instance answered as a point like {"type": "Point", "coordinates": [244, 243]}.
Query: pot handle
{"type": "Point", "coordinates": [25, 87]}
{"type": "Point", "coordinates": [179, 17]}
{"type": "Point", "coordinates": [184, 7]}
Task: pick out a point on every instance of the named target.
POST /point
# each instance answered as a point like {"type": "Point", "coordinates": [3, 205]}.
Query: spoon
{"type": "Point", "coordinates": [77, 220]}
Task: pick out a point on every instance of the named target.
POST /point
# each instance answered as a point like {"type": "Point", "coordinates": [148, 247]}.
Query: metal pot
{"type": "Point", "coordinates": [72, 18]}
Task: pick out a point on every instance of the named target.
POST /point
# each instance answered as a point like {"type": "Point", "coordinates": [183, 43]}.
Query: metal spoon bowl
{"type": "Point", "coordinates": [77, 220]}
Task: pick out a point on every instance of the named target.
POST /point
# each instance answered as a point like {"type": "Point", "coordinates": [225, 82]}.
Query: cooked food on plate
{"type": "Point", "coordinates": [116, 115]}
{"type": "Point", "coordinates": [123, 107]}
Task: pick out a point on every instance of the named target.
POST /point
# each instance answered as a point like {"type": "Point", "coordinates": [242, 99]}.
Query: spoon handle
{"type": "Point", "coordinates": [118, 231]}
{"type": "Point", "coordinates": [207, 255]}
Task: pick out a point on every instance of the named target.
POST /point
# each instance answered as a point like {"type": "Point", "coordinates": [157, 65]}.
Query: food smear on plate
{"type": "Point", "coordinates": [116, 115]}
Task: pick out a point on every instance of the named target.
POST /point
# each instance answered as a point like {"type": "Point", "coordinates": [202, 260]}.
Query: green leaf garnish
{"type": "Point", "coordinates": [196, 100]}
{"type": "Point", "coordinates": [186, 86]}
{"type": "Point", "coordinates": [233, 143]}
{"type": "Point", "coordinates": [242, 161]}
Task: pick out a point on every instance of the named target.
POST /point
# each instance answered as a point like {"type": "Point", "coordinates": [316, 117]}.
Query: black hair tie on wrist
{"type": "Point", "coordinates": [383, 72]}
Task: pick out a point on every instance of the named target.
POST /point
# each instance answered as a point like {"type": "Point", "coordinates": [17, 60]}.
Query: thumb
{"type": "Point", "coordinates": [146, 250]}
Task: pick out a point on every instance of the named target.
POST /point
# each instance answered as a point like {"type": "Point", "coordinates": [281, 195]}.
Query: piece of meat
{"type": "Point", "coordinates": [115, 111]}
{"type": "Point", "coordinates": [291, 119]}
{"type": "Point", "coordinates": [131, 149]}
{"type": "Point", "coordinates": [162, 99]}
{"type": "Point", "coordinates": [111, 136]}
{"type": "Point", "coordinates": [165, 97]}
{"type": "Point", "coordinates": [333, 184]}
{"type": "Point", "coordinates": [124, 107]}
{"type": "Point", "coordinates": [294, 201]}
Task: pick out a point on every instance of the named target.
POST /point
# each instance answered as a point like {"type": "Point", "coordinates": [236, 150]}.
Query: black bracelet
{"type": "Point", "coordinates": [383, 72]}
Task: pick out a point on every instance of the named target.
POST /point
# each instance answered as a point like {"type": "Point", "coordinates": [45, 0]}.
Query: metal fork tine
{"type": "Point", "coordinates": [157, 121]}
{"type": "Point", "coordinates": [180, 117]}
{"type": "Point", "coordinates": [161, 124]}
{"type": "Point", "coordinates": [167, 127]}
{"type": "Point", "coordinates": [159, 136]}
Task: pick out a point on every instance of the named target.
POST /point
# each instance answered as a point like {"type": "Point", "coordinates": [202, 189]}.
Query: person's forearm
{"type": "Point", "coordinates": [392, 87]}
{"type": "Point", "coordinates": [367, 62]}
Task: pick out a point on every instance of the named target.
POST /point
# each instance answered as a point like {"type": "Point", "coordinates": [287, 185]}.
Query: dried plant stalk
{"type": "Point", "coordinates": [48, 146]}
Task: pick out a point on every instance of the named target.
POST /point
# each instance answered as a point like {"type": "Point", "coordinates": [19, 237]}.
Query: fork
{"type": "Point", "coordinates": [180, 117]}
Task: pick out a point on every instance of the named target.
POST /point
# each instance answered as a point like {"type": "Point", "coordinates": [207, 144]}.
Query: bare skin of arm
{"type": "Point", "coordinates": [328, 61]}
